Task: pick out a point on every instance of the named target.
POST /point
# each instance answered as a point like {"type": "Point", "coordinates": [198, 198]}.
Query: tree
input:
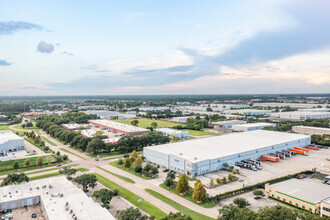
{"type": "Point", "coordinates": [230, 177]}
{"type": "Point", "coordinates": [16, 165]}
{"type": "Point", "coordinates": [218, 180]}
{"type": "Point", "coordinates": [147, 167]}
{"type": "Point", "coordinates": [225, 165]}
{"type": "Point", "coordinates": [104, 195]}
{"type": "Point", "coordinates": [130, 214]}
{"type": "Point", "coordinates": [224, 179]}
{"type": "Point", "coordinates": [138, 161]}
{"type": "Point", "coordinates": [138, 169]}
{"type": "Point", "coordinates": [120, 162]}
{"type": "Point", "coordinates": [182, 185]}
{"type": "Point", "coordinates": [127, 163]}
{"type": "Point", "coordinates": [135, 122]}
{"type": "Point", "coordinates": [95, 146]}
{"type": "Point", "coordinates": [154, 170]}
{"type": "Point", "coordinates": [258, 192]}
{"type": "Point", "coordinates": [211, 183]}
{"type": "Point", "coordinates": [234, 172]}
{"type": "Point", "coordinates": [199, 193]}
{"type": "Point", "coordinates": [134, 154]}
{"type": "Point", "coordinates": [171, 175]}
{"type": "Point", "coordinates": [177, 216]}
{"type": "Point", "coordinates": [86, 180]}
{"type": "Point", "coordinates": [40, 161]}
{"type": "Point", "coordinates": [27, 162]}
{"type": "Point", "coordinates": [99, 134]}
{"type": "Point", "coordinates": [154, 125]}
{"type": "Point", "coordinates": [197, 182]}
{"type": "Point", "coordinates": [230, 212]}
{"type": "Point", "coordinates": [68, 172]}
{"type": "Point", "coordinates": [241, 202]}
{"type": "Point", "coordinates": [15, 179]}
{"type": "Point", "coordinates": [169, 182]}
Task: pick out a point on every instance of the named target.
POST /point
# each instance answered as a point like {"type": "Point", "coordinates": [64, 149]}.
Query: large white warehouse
{"type": "Point", "coordinates": [10, 142]}
{"type": "Point", "coordinates": [298, 115]}
{"type": "Point", "coordinates": [173, 132]}
{"type": "Point", "coordinates": [205, 155]}
{"type": "Point", "coordinates": [252, 126]}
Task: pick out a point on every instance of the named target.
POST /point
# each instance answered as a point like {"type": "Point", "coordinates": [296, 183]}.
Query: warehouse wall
{"type": "Point", "coordinates": [157, 157]}
{"type": "Point", "coordinates": [11, 145]}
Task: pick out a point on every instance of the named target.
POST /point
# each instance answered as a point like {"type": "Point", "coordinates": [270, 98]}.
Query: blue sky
{"type": "Point", "coordinates": [164, 47]}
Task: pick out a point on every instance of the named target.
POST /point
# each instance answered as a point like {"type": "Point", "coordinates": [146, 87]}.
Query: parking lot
{"type": "Point", "coordinates": [272, 170]}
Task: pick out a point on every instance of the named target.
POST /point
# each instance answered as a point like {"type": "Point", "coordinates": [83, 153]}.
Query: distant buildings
{"type": "Point", "coordinates": [311, 130]}
{"type": "Point", "coordinates": [249, 112]}
{"type": "Point", "coordinates": [227, 124]}
{"type": "Point", "coordinates": [304, 194]}
{"type": "Point", "coordinates": [110, 114]}
{"type": "Point", "coordinates": [10, 142]}
{"type": "Point", "coordinates": [173, 132]}
{"type": "Point", "coordinates": [180, 119]}
{"type": "Point", "coordinates": [252, 126]}
{"type": "Point", "coordinates": [58, 197]}
{"type": "Point", "coordinates": [113, 126]}
{"type": "Point", "coordinates": [300, 115]}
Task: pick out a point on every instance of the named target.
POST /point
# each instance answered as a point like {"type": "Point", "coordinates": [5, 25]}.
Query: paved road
{"type": "Point", "coordinates": [137, 188]}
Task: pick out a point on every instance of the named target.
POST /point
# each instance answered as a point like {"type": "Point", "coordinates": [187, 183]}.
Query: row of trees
{"type": "Point", "coordinates": [134, 213]}
{"type": "Point", "coordinates": [321, 139]}
{"type": "Point", "coordinates": [287, 125]}
{"type": "Point", "coordinates": [70, 117]}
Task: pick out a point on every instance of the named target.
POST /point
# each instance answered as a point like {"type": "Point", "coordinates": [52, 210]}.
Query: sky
{"type": "Point", "coordinates": [150, 47]}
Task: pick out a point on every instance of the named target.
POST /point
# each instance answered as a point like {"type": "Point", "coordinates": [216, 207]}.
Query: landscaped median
{"type": "Point", "coordinates": [116, 175]}
{"type": "Point", "coordinates": [48, 141]}
{"type": "Point", "coordinates": [179, 207]}
{"type": "Point", "coordinates": [129, 170]}
{"type": "Point", "coordinates": [70, 152]}
{"type": "Point", "coordinates": [131, 197]}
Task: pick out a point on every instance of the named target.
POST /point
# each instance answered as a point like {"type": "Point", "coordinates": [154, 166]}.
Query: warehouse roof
{"type": "Point", "coordinates": [118, 126]}
{"type": "Point", "coordinates": [226, 145]}
{"type": "Point", "coordinates": [8, 135]}
{"type": "Point", "coordinates": [302, 113]}
{"type": "Point", "coordinates": [250, 125]}
{"type": "Point", "coordinates": [308, 190]}
{"type": "Point", "coordinates": [309, 127]}
{"type": "Point", "coordinates": [54, 193]}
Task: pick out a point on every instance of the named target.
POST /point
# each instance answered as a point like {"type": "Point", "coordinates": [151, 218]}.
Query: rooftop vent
{"type": "Point", "coordinates": [181, 153]}
{"type": "Point", "coordinates": [195, 158]}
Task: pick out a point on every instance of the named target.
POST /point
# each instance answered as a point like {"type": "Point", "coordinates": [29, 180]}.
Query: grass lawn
{"type": "Point", "coordinates": [48, 141]}
{"type": "Point", "coordinates": [131, 197]}
{"type": "Point", "coordinates": [146, 122]}
{"type": "Point", "coordinates": [25, 169]}
{"type": "Point", "coordinates": [19, 126]}
{"type": "Point", "coordinates": [104, 154]}
{"type": "Point", "coordinates": [116, 175]}
{"type": "Point", "coordinates": [199, 133]}
{"type": "Point", "coordinates": [188, 196]}
{"type": "Point", "coordinates": [179, 207]}
{"type": "Point", "coordinates": [44, 176]}
{"type": "Point", "coordinates": [4, 127]}
{"type": "Point", "coordinates": [65, 150]}
{"type": "Point", "coordinates": [46, 160]}
{"type": "Point", "coordinates": [46, 170]}
{"type": "Point", "coordinates": [130, 170]}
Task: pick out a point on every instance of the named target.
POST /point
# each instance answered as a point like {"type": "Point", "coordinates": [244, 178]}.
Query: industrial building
{"type": "Point", "coordinates": [300, 116]}
{"type": "Point", "coordinates": [113, 126]}
{"type": "Point", "coordinates": [249, 112]}
{"type": "Point", "coordinates": [314, 110]}
{"type": "Point", "coordinates": [173, 132]}
{"type": "Point", "coordinates": [73, 127]}
{"type": "Point", "coordinates": [311, 130]}
{"type": "Point", "coordinates": [301, 193]}
{"type": "Point", "coordinates": [252, 126]}
{"type": "Point", "coordinates": [227, 124]}
{"type": "Point", "coordinates": [10, 142]}
{"type": "Point", "coordinates": [180, 119]}
{"type": "Point", "coordinates": [220, 130]}
{"type": "Point", "coordinates": [110, 114]}
{"type": "Point", "coordinates": [58, 197]}
{"type": "Point", "coordinates": [325, 207]}
{"type": "Point", "coordinates": [205, 155]}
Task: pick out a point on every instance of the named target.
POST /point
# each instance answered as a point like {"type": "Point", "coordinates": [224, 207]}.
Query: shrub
{"type": "Point", "coordinates": [147, 167]}
{"type": "Point", "coordinates": [230, 177]}
{"type": "Point", "coordinates": [138, 169]}
{"type": "Point", "coordinates": [241, 202]}
{"type": "Point", "coordinates": [154, 170]}
{"type": "Point", "coordinates": [115, 192]}
{"type": "Point", "coordinates": [258, 192]}
{"type": "Point", "coordinates": [120, 162]}
{"type": "Point", "coordinates": [218, 180]}
{"type": "Point", "coordinates": [171, 175]}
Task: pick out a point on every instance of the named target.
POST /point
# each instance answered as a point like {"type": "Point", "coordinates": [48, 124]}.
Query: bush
{"type": "Point", "coordinates": [154, 170]}
{"type": "Point", "coordinates": [147, 167]}
{"type": "Point", "coordinates": [258, 192]}
{"type": "Point", "coordinates": [138, 169]}
{"type": "Point", "coordinates": [171, 175]}
{"type": "Point", "coordinates": [115, 192]}
{"type": "Point", "coordinates": [241, 202]}
{"type": "Point", "coordinates": [126, 155]}
{"type": "Point", "coordinates": [120, 162]}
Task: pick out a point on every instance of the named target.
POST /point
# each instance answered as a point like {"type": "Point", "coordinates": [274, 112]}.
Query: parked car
{"type": "Point", "coordinates": [58, 165]}
{"type": "Point", "coordinates": [166, 170]}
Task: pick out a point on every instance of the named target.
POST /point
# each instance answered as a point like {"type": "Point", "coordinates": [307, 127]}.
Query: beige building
{"type": "Point", "coordinates": [305, 194]}
{"type": "Point", "coordinates": [310, 130]}
{"type": "Point", "coordinates": [325, 207]}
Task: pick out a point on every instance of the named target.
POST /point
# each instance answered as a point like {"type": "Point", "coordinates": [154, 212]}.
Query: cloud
{"type": "Point", "coordinates": [67, 53]}
{"type": "Point", "coordinates": [5, 63]}
{"type": "Point", "coordinates": [11, 27]}
{"type": "Point", "coordinates": [44, 47]}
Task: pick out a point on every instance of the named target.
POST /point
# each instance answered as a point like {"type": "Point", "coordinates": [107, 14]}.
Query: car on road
{"type": "Point", "coordinates": [165, 170]}
{"type": "Point", "coordinates": [58, 165]}
{"type": "Point", "coordinates": [97, 159]}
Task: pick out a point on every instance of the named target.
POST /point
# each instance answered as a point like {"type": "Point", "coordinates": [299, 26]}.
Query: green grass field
{"type": "Point", "coordinates": [130, 170]}
{"type": "Point", "coordinates": [44, 176]}
{"type": "Point", "coordinates": [70, 152]}
{"type": "Point", "coordinates": [116, 175]}
{"type": "Point", "coordinates": [199, 133]}
{"type": "Point", "coordinates": [188, 196]}
{"type": "Point", "coordinates": [26, 169]}
{"type": "Point", "coordinates": [131, 197]}
{"type": "Point", "coordinates": [19, 126]}
{"type": "Point", "coordinates": [37, 145]}
{"type": "Point", "coordinates": [46, 159]}
{"type": "Point", "coordinates": [146, 122]}
{"type": "Point", "coordinates": [104, 154]}
{"type": "Point", "coordinates": [179, 207]}
{"type": "Point", "coordinates": [4, 127]}
{"type": "Point", "coordinates": [48, 141]}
